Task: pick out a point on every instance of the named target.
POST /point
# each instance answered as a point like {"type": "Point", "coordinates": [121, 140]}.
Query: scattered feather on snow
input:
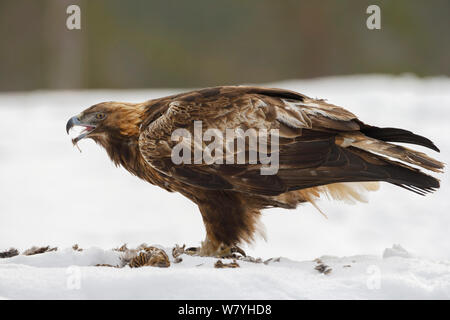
{"type": "Point", "coordinates": [9, 253]}
{"type": "Point", "coordinates": [38, 250]}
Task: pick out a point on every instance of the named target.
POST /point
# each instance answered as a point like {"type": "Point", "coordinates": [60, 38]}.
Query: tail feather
{"type": "Point", "coordinates": [369, 144]}
{"type": "Point", "coordinates": [403, 175]}
{"type": "Point", "coordinates": [376, 140]}
{"type": "Point", "coordinates": [397, 135]}
{"type": "Point", "coordinates": [351, 156]}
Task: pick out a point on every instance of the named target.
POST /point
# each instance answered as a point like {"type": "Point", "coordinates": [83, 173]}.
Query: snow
{"type": "Point", "coordinates": [396, 251]}
{"type": "Point", "coordinates": [69, 274]}
{"type": "Point", "coordinates": [51, 194]}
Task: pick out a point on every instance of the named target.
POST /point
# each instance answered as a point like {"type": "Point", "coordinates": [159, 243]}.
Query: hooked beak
{"type": "Point", "coordinates": [75, 121]}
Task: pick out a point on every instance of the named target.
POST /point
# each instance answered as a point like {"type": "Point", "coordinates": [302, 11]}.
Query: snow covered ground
{"type": "Point", "coordinates": [68, 274]}
{"type": "Point", "coordinates": [50, 194]}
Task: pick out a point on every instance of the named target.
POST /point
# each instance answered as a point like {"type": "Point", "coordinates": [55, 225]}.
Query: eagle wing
{"type": "Point", "coordinates": [318, 143]}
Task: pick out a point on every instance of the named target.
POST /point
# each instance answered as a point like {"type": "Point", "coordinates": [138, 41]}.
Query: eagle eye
{"type": "Point", "coordinates": [100, 116]}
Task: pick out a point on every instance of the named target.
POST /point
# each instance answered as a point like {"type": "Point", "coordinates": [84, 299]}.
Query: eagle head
{"type": "Point", "coordinates": [107, 120]}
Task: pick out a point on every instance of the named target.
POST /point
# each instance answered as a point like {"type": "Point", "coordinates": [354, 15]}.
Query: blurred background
{"type": "Point", "coordinates": [148, 44]}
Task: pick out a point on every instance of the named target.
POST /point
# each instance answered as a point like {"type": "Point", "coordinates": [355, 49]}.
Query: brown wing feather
{"type": "Point", "coordinates": [309, 155]}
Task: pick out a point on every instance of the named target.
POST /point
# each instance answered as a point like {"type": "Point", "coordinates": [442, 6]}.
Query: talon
{"type": "Point", "coordinates": [193, 251]}
{"type": "Point", "coordinates": [238, 250]}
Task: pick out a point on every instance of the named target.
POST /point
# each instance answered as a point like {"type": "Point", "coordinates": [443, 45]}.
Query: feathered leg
{"type": "Point", "coordinates": [229, 220]}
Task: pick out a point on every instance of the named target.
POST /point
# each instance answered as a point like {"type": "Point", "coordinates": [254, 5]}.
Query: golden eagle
{"type": "Point", "coordinates": [320, 148]}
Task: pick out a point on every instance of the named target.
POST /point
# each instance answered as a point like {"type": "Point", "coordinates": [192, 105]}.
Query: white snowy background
{"type": "Point", "coordinates": [51, 194]}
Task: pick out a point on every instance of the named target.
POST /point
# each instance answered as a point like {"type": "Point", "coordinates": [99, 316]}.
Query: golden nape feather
{"type": "Point", "coordinates": [321, 151]}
